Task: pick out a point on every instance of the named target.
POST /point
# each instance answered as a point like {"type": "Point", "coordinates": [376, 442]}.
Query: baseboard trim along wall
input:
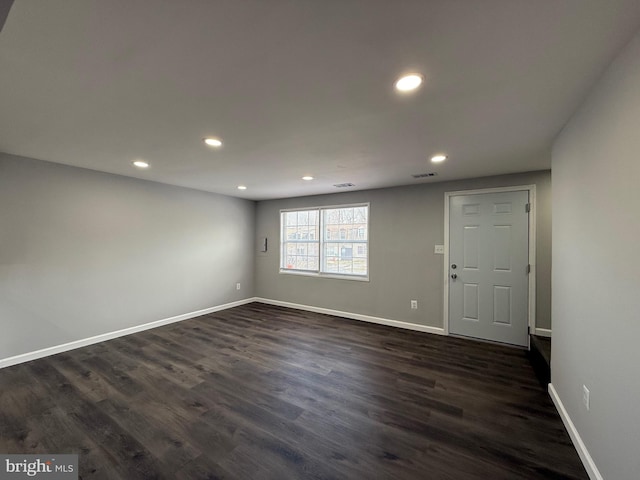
{"type": "Point", "coordinates": [355, 316]}
{"type": "Point", "coordinates": [585, 456]}
{"type": "Point", "coordinates": [543, 332]}
{"type": "Point", "coordinates": [45, 352]}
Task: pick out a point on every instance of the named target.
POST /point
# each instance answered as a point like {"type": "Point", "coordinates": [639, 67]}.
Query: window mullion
{"type": "Point", "coordinates": [321, 239]}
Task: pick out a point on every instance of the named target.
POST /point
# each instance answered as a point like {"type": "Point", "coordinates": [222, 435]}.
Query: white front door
{"type": "Point", "coordinates": [488, 260]}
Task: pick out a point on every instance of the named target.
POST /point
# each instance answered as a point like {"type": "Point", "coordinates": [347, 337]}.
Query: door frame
{"type": "Point", "coordinates": [531, 310]}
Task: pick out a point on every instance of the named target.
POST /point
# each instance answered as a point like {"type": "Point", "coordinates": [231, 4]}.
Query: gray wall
{"type": "Point", "coordinates": [596, 265]}
{"type": "Point", "coordinates": [405, 224]}
{"type": "Point", "coordinates": [84, 253]}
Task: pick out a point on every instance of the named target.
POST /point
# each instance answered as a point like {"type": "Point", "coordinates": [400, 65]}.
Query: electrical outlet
{"type": "Point", "coordinates": [439, 249]}
{"type": "Point", "coordinates": [585, 396]}
{"type": "Point", "coordinates": [414, 304]}
{"type": "Point", "coordinates": [237, 286]}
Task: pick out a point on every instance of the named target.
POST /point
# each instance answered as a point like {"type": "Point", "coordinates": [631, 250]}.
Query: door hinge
{"type": "Point", "coordinates": [528, 269]}
{"type": "Point", "coordinates": [527, 207]}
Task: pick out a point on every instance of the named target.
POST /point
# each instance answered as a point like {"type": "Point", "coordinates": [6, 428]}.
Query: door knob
{"type": "Point", "coordinates": [454, 276]}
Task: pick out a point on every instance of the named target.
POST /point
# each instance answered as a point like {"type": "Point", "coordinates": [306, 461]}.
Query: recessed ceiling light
{"type": "Point", "coordinates": [307, 177]}
{"type": "Point", "coordinates": [438, 158]}
{"type": "Point", "coordinates": [140, 164]}
{"type": "Point", "coordinates": [213, 142]}
{"type": "Point", "coordinates": [242, 187]}
{"type": "Point", "coordinates": [409, 82]}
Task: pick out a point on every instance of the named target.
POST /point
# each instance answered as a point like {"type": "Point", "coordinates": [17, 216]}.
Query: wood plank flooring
{"type": "Point", "coordinates": [263, 392]}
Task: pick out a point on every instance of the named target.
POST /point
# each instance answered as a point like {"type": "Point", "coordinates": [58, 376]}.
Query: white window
{"type": "Point", "coordinates": [299, 240]}
{"type": "Point", "coordinates": [342, 251]}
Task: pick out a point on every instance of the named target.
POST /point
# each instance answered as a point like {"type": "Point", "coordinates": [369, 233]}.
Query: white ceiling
{"type": "Point", "coordinates": [297, 87]}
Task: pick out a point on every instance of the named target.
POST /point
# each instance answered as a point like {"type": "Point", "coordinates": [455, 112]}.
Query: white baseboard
{"type": "Point", "coordinates": [584, 454]}
{"type": "Point", "coordinates": [355, 316]}
{"type": "Point", "coordinates": [45, 352]}
{"type": "Point", "coordinates": [543, 332]}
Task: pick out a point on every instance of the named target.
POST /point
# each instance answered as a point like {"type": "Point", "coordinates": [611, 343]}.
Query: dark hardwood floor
{"type": "Point", "coordinates": [263, 392]}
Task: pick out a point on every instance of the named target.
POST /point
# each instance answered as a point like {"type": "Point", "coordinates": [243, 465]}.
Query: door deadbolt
{"type": "Point", "coordinates": [454, 266]}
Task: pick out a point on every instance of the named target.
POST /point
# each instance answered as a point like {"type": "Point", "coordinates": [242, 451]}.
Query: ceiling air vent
{"type": "Point", "coordinates": [344, 185]}
{"type": "Point", "coordinates": [424, 175]}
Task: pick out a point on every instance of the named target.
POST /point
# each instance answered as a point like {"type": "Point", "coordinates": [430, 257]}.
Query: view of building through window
{"type": "Point", "coordinates": [342, 249]}
{"type": "Point", "coordinates": [345, 243]}
{"type": "Point", "coordinates": [300, 240]}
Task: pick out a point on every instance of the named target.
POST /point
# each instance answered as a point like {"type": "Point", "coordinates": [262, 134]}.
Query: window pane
{"type": "Point", "coordinates": [291, 261]}
{"type": "Point", "coordinates": [345, 266]}
{"type": "Point", "coordinates": [359, 266]}
{"type": "Point", "coordinates": [291, 233]}
{"type": "Point", "coordinates": [332, 217]}
{"type": "Point", "coordinates": [331, 265]}
{"type": "Point", "coordinates": [331, 249]}
{"type": "Point", "coordinates": [347, 216]}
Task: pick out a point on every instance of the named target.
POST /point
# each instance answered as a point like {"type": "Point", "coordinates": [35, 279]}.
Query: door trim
{"type": "Point", "coordinates": [531, 311]}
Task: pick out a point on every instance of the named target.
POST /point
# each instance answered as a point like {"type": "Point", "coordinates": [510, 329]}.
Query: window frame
{"type": "Point", "coordinates": [322, 240]}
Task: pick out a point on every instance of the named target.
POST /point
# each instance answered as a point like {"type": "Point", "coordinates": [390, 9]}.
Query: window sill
{"type": "Point", "coordinates": [334, 276]}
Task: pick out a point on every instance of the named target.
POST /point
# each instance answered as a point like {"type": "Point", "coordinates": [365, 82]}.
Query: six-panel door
{"type": "Point", "coordinates": [488, 276]}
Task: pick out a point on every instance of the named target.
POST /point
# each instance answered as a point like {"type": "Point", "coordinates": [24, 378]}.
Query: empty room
{"type": "Point", "coordinates": [319, 239]}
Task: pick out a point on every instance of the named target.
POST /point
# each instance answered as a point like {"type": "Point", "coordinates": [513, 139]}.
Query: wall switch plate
{"type": "Point", "coordinates": [585, 396]}
{"type": "Point", "coordinates": [414, 304]}
{"type": "Point", "coordinates": [237, 286]}
{"type": "Point", "coordinates": [439, 249]}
